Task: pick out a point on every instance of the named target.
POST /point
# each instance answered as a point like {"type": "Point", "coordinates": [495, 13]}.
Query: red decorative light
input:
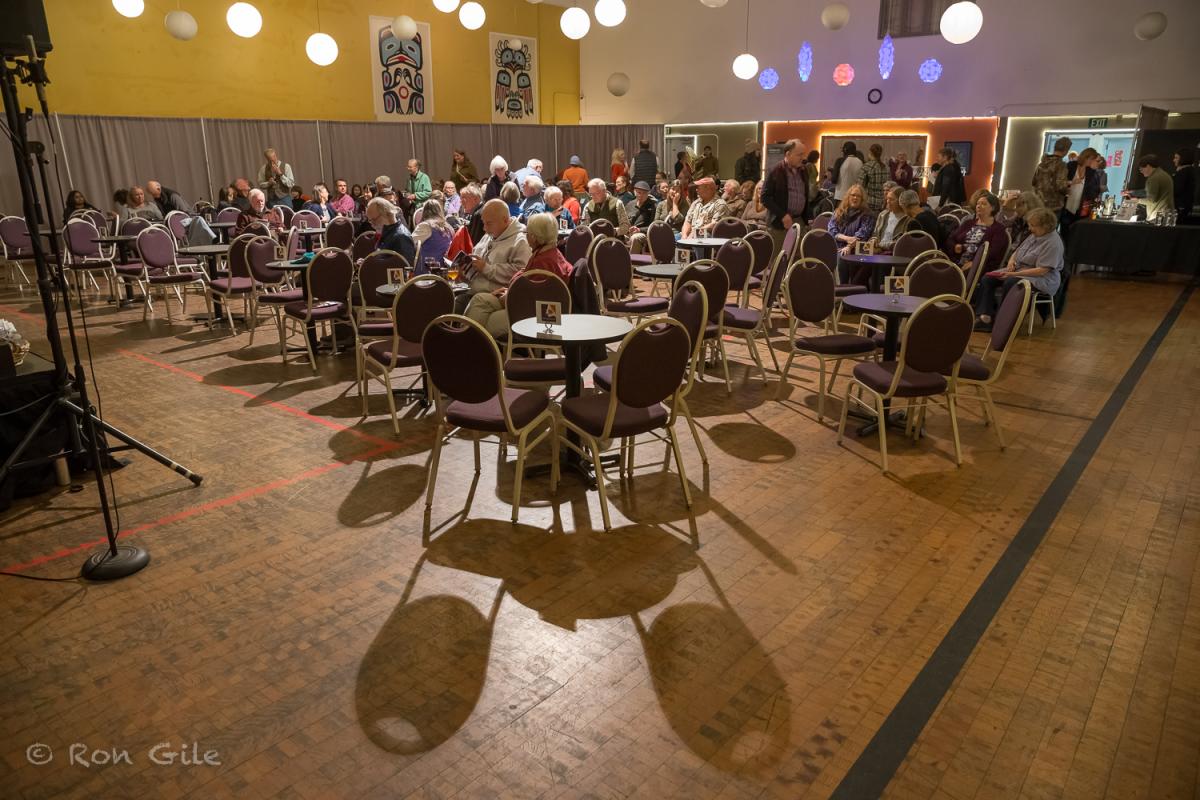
{"type": "Point", "coordinates": [843, 74]}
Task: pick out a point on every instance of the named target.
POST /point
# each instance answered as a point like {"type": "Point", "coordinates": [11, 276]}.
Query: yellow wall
{"type": "Point", "coordinates": [103, 63]}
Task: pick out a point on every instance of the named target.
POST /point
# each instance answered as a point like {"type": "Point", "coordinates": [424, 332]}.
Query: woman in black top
{"type": "Point", "coordinates": [949, 184]}
{"type": "Point", "coordinates": [922, 218]}
{"type": "Point", "coordinates": [76, 202]}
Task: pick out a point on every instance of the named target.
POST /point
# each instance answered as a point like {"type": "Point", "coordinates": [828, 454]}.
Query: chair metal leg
{"type": "Point", "coordinates": [882, 427]}
{"type": "Point", "coordinates": [753, 347]}
{"type": "Point", "coordinates": [991, 409]}
{"type": "Point", "coordinates": [954, 427]}
{"type": "Point", "coordinates": [433, 467]}
{"type": "Point", "coordinates": [554, 454]}
{"type": "Point", "coordinates": [687, 494]}
{"type": "Point", "coordinates": [391, 399]}
{"type": "Point", "coordinates": [687, 414]}
{"type": "Point", "coordinates": [522, 446]}
{"type": "Point", "coordinates": [783, 376]}
{"type": "Point", "coordinates": [724, 364]}
{"type": "Point", "coordinates": [475, 442]}
{"type": "Point", "coordinates": [594, 446]}
{"type": "Point", "coordinates": [820, 389]}
{"type": "Point", "coordinates": [845, 412]}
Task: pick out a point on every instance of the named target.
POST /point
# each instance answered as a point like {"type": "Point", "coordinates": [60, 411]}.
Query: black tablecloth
{"type": "Point", "coordinates": [33, 384]}
{"type": "Point", "coordinates": [1135, 247]}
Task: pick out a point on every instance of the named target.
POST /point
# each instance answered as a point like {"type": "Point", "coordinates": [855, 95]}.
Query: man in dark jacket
{"type": "Point", "coordinates": [785, 192]}
{"type": "Point", "coordinates": [645, 163]}
{"type": "Point", "coordinates": [384, 217]}
{"type": "Point", "coordinates": [167, 200]}
{"type": "Point", "coordinates": [748, 166]}
{"type": "Point", "coordinates": [949, 184]}
{"type": "Point", "coordinates": [641, 208]}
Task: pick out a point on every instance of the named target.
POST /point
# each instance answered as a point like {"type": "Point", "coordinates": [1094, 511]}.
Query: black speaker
{"type": "Point", "coordinates": [24, 18]}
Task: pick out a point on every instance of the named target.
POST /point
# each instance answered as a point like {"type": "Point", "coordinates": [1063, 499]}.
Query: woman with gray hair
{"type": "Point", "coordinates": [1038, 260]}
{"type": "Point", "coordinates": [556, 208]}
{"type": "Point", "coordinates": [497, 179]}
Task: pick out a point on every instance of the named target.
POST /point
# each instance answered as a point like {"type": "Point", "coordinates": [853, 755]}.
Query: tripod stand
{"type": "Point", "coordinates": [86, 427]}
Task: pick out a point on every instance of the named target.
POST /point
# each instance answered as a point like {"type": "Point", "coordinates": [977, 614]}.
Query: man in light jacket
{"type": "Point", "coordinates": [499, 255]}
{"type": "Point", "coordinates": [275, 179]}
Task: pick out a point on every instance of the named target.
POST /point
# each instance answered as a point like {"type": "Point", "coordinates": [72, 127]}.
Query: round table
{"type": "Point", "coordinates": [209, 253]}
{"type": "Point", "coordinates": [307, 235]}
{"type": "Point", "coordinates": [703, 244]}
{"type": "Point", "coordinates": [288, 266]}
{"type": "Point", "coordinates": [575, 331]}
{"type": "Point", "coordinates": [222, 229]}
{"type": "Point", "coordinates": [393, 289]}
{"type": "Point", "coordinates": [123, 242]}
{"type": "Point", "coordinates": [878, 263]}
{"type": "Point", "coordinates": [659, 271]}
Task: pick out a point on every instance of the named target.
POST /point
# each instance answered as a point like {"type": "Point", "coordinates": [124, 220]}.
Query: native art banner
{"type": "Point", "coordinates": [401, 73]}
{"type": "Point", "coordinates": [513, 69]}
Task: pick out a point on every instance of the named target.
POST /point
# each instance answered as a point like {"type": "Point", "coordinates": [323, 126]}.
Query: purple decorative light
{"type": "Point", "coordinates": [804, 61]}
{"type": "Point", "coordinates": [930, 70]}
{"type": "Point", "coordinates": [768, 79]}
{"type": "Point", "coordinates": [887, 57]}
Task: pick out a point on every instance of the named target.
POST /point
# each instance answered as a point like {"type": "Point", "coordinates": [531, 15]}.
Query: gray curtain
{"type": "Point", "coordinates": [519, 143]}
{"type": "Point", "coordinates": [235, 149]}
{"type": "Point", "coordinates": [435, 144]}
{"type": "Point", "coordinates": [594, 144]}
{"type": "Point", "coordinates": [362, 151]}
{"type": "Point", "coordinates": [10, 188]}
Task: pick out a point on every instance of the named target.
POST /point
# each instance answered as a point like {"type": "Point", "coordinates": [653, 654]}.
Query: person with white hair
{"type": "Point", "coordinates": [255, 213]}
{"type": "Point", "coordinates": [499, 255]}
{"type": "Point", "coordinates": [604, 206]}
{"type": "Point", "coordinates": [555, 208]}
{"type": "Point", "coordinates": [541, 235]}
{"type": "Point", "coordinates": [532, 167]}
{"type": "Point", "coordinates": [384, 216]}
{"type": "Point", "coordinates": [496, 181]}
{"type": "Point", "coordinates": [532, 200]}
{"type": "Point", "coordinates": [469, 212]}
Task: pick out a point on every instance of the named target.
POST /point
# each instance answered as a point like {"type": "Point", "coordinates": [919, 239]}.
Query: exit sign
{"type": "Point", "coordinates": [1098, 122]}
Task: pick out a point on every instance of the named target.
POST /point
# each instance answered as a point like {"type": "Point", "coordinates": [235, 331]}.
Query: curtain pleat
{"type": "Point", "coordinates": [519, 143]}
{"type": "Point", "coordinates": [594, 144]}
{"type": "Point", "coordinates": [436, 143]}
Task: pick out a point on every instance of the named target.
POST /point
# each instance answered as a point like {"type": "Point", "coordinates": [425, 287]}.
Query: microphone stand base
{"type": "Point", "coordinates": [104, 566]}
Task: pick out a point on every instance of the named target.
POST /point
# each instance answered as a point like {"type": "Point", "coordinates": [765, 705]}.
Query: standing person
{"type": "Point", "coordinates": [645, 163]}
{"type": "Point", "coordinates": [343, 203]}
{"type": "Point", "coordinates": [813, 173]}
{"type": "Point", "coordinates": [1102, 173]}
{"type": "Point", "coordinates": [618, 167]}
{"type": "Point", "coordinates": [680, 160]}
{"type": "Point", "coordinates": [848, 171]}
{"type": "Point", "coordinates": [453, 201]}
{"type": "Point", "coordinates": [949, 185]}
{"type": "Point", "coordinates": [1159, 194]}
{"type": "Point", "coordinates": [707, 165]}
{"type": "Point", "coordinates": [497, 179]}
{"type": "Point", "coordinates": [962, 245]}
{"type": "Point", "coordinates": [902, 171]}
{"type": "Point", "coordinates": [319, 204]}
{"type": "Point", "coordinates": [419, 186]}
{"type": "Point", "coordinates": [1084, 181]}
{"type": "Point", "coordinates": [1185, 183]}
{"type": "Point", "coordinates": [1050, 178]}
{"type": "Point", "coordinates": [748, 167]}
{"type": "Point", "coordinates": [577, 175]}
{"type": "Point", "coordinates": [462, 171]}
{"type": "Point", "coordinates": [785, 192]}
{"type": "Point", "coordinates": [570, 202]}
{"type": "Point", "coordinates": [874, 176]}
{"type": "Point", "coordinates": [275, 179]}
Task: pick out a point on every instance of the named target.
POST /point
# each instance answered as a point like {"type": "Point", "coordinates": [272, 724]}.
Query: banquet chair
{"type": "Point", "coordinates": [270, 285]}
{"type": "Point", "coordinates": [616, 294]}
{"type": "Point", "coordinates": [764, 256]}
{"type": "Point", "coordinates": [579, 242]}
{"type": "Point", "coordinates": [979, 372]}
{"type": "Point", "coordinates": [327, 289]}
{"type": "Point", "coordinates": [160, 268]}
{"type": "Point", "coordinates": [175, 224]}
{"type": "Point", "coordinates": [729, 228]}
{"type": "Point", "coordinates": [772, 301]}
{"type": "Point", "coordinates": [340, 233]}
{"type": "Point", "coordinates": [689, 306]}
{"type": "Point", "coordinates": [715, 280]}
{"type": "Point", "coordinates": [821, 221]}
{"type": "Point", "coordinates": [419, 301]}
{"type": "Point", "coordinates": [306, 219]}
{"type": "Point", "coordinates": [228, 214]}
{"type": "Point", "coordinates": [286, 213]}
{"type": "Point", "coordinates": [932, 346]}
{"type": "Point", "coordinates": [370, 310]}
{"type": "Point", "coordinates": [471, 394]}
{"type": "Point", "coordinates": [647, 379]}
{"type": "Point", "coordinates": [737, 258]}
{"type": "Point", "coordinates": [791, 242]}
{"type": "Point", "coordinates": [661, 239]}
{"type": "Point", "coordinates": [520, 302]}
{"type": "Point", "coordinates": [808, 292]}
{"type": "Point", "coordinates": [821, 245]}
{"type": "Point", "coordinates": [1046, 300]}
{"type": "Point", "coordinates": [16, 247]}
{"type": "Point", "coordinates": [364, 245]}
{"type": "Point", "coordinates": [947, 207]}
{"type": "Point", "coordinates": [238, 283]}
{"type": "Point", "coordinates": [949, 221]}
{"type": "Point", "coordinates": [258, 228]}
{"type": "Point", "coordinates": [85, 257]}
{"type": "Point", "coordinates": [933, 277]}
{"type": "Point", "coordinates": [975, 271]}
{"type": "Point", "coordinates": [602, 227]}
{"type": "Point", "coordinates": [825, 205]}
{"type": "Point", "coordinates": [931, 254]}
{"type": "Point", "coordinates": [95, 217]}
{"type": "Point", "coordinates": [911, 244]}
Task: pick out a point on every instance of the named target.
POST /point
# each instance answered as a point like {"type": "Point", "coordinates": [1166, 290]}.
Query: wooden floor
{"type": "Point", "coordinates": [294, 621]}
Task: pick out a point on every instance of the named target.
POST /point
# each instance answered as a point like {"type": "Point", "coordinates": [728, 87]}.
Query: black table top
{"type": "Point", "coordinates": [204, 250]}
{"type": "Point", "coordinates": [659, 270]}
{"type": "Point", "coordinates": [875, 260]}
{"type": "Point", "coordinates": [287, 266]}
{"type": "Point", "coordinates": [119, 239]}
{"type": "Point", "coordinates": [702, 241]}
{"type": "Point", "coordinates": [393, 289]}
{"type": "Point", "coordinates": [900, 305]}
{"type": "Point", "coordinates": [222, 224]}
{"type": "Point", "coordinates": [310, 231]}
{"type": "Point", "coordinates": [576, 328]}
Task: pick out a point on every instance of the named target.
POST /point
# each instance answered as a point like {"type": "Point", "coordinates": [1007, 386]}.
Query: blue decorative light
{"type": "Point", "coordinates": [930, 70]}
{"type": "Point", "coordinates": [768, 79]}
{"type": "Point", "coordinates": [887, 57]}
{"type": "Point", "coordinates": [804, 61]}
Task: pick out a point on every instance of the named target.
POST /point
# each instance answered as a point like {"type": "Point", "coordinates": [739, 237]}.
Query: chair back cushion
{"type": "Point", "coordinates": [662, 242]}
{"type": "Point", "coordinates": [821, 245]}
{"type": "Point", "coordinates": [462, 359]}
{"type": "Point", "coordinates": [821, 221]}
{"type": "Point", "coordinates": [602, 227]}
{"type": "Point", "coordinates": [364, 245]}
{"type": "Point", "coordinates": [774, 282]}
{"type": "Point", "coordinates": [810, 290]}
{"type": "Point", "coordinates": [791, 239]}
{"type": "Point", "coordinates": [96, 218]}
{"type": "Point", "coordinates": [729, 228]}
{"type": "Point", "coordinates": [15, 234]}
{"type": "Point", "coordinates": [80, 233]}
{"type": "Point", "coordinates": [340, 233]}
{"type": "Point", "coordinates": [713, 278]}
{"type": "Point", "coordinates": [306, 219]}
{"type": "Point", "coordinates": [420, 301]}
{"type": "Point", "coordinates": [329, 275]}
{"type": "Point", "coordinates": [913, 243]}
{"type": "Point", "coordinates": [528, 288]}
{"type": "Point", "coordinates": [239, 264]}
{"type": "Point", "coordinates": [1008, 317]}
{"type": "Point", "coordinates": [260, 251]}
{"type": "Point", "coordinates": [737, 257]}
{"type": "Point", "coordinates": [932, 278]}
{"type": "Point", "coordinates": [651, 363]}
{"type": "Point", "coordinates": [611, 265]}
{"type": "Point", "coordinates": [285, 214]}
{"type": "Point", "coordinates": [134, 225]}
{"type": "Point", "coordinates": [156, 248]}
{"type": "Point", "coordinates": [764, 251]}
{"type": "Point", "coordinates": [689, 306]}
{"type": "Point", "coordinates": [228, 214]}
{"type": "Point", "coordinates": [937, 334]}
{"type": "Point", "coordinates": [580, 240]}
{"type": "Point", "coordinates": [175, 223]}
{"type": "Point", "coordinates": [373, 273]}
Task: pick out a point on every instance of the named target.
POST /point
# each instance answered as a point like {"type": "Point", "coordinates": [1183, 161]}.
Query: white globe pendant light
{"type": "Point", "coordinates": [181, 25]}
{"type": "Point", "coordinates": [322, 50]}
{"type": "Point", "coordinates": [745, 66]}
{"type": "Point", "coordinates": [472, 16]}
{"type": "Point", "coordinates": [244, 20]}
{"type": "Point", "coordinates": [575, 23]}
{"type": "Point", "coordinates": [1150, 25]}
{"type": "Point", "coordinates": [129, 8]}
{"type": "Point", "coordinates": [961, 22]}
{"type": "Point", "coordinates": [835, 16]}
{"type": "Point", "coordinates": [618, 84]}
{"type": "Point", "coordinates": [404, 27]}
{"type": "Point", "coordinates": [446, 6]}
{"type": "Point", "coordinates": [714, 3]}
{"type": "Point", "coordinates": [610, 13]}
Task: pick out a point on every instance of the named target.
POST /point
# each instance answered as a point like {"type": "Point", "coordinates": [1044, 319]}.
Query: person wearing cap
{"type": "Point", "coordinates": [604, 206]}
{"type": "Point", "coordinates": [641, 208]}
{"type": "Point", "coordinates": [577, 175]}
{"type": "Point", "coordinates": [749, 165]}
{"type": "Point", "coordinates": [645, 163]}
{"type": "Point", "coordinates": [785, 192]}
{"type": "Point", "coordinates": [706, 211]}
{"type": "Point", "coordinates": [707, 165]}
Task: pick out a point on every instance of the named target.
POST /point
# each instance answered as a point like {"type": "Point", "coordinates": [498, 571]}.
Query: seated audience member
{"type": "Point", "coordinates": [922, 218]}
{"type": "Point", "coordinates": [497, 180]}
{"type": "Point", "coordinates": [167, 200]}
{"type": "Point", "coordinates": [471, 196]}
{"type": "Point", "coordinates": [577, 175]}
{"type": "Point", "coordinates": [241, 199]}
{"type": "Point", "coordinates": [1012, 216]}
{"type": "Point", "coordinates": [319, 204]}
{"type": "Point", "coordinates": [452, 201]}
{"type": "Point", "coordinates": [120, 201]}
{"type": "Point", "coordinates": [603, 205]}
{"type": "Point", "coordinates": [673, 208]}
{"type": "Point", "coordinates": [706, 211]}
{"type": "Point", "coordinates": [138, 207]}
{"type": "Point", "coordinates": [532, 200]}
{"type": "Point", "coordinates": [641, 209]}
{"type": "Point", "coordinates": [298, 199]}
{"type": "Point", "coordinates": [499, 255]}
{"type": "Point", "coordinates": [541, 235]}
{"type": "Point", "coordinates": [225, 196]}
{"type": "Point", "coordinates": [852, 221]}
{"type": "Point", "coordinates": [570, 201]}
{"type": "Point", "coordinates": [356, 192]}
{"type": "Point", "coordinates": [661, 187]}
{"type": "Point", "coordinates": [621, 188]}
{"type": "Point", "coordinates": [434, 232]}
{"type": "Point", "coordinates": [511, 195]}
{"type": "Point", "coordinates": [532, 167]}
{"type": "Point", "coordinates": [756, 216]}
{"type": "Point", "coordinates": [1039, 260]}
{"type": "Point", "coordinates": [983, 227]}
{"type": "Point", "coordinates": [343, 202]}
{"type": "Point", "coordinates": [257, 212]}
{"type": "Point", "coordinates": [384, 216]}
{"type": "Point", "coordinates": [732, 195]}
{"type": "Point", "coordinates": [556, 208]}
{"type": "Point", "coordinates": [76, 202]}
{"type": "Point", "coordinates": [901, 170]}
{"type": "Point", "coordinates": [890, 223]}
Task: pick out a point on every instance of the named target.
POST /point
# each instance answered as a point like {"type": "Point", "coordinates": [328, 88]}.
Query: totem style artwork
{"type": "Point", "coordinates": [401, 73]}
{"type": "Point", "coordinates": [513, 61]}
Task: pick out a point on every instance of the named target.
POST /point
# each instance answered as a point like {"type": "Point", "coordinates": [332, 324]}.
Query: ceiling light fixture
{"type": "Point", "coordinates": [745, 66]}
{"type": "Point", "coordinates": [129, 8]}
{"type": "Point", "coordinates": [244, 20]}
{"type": "Point", "coordinates": [961, 22]}
{"type": "Point", "coordinates": [575, 23]}
{"type": "Point", "coordinates": [610, 13]}
{"type": "Point", "coordinates": [472, 16]}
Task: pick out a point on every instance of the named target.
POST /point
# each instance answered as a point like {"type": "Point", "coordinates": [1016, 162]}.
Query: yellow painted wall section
{"type": "Point", "coordinates": [103, 63]}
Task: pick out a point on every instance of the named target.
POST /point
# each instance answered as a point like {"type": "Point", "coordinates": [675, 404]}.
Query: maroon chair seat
{"type": "Point", "coordinates": [524, 405]}
{"type": "Point", "coordinates": [973, 368]}
{"type": "Point", "coordinates": [743, 319]}
{"type": "Point", "coordinates": [299, 310]}
{"type": "Point", "coordinates": [372, 329]}
{"type": "Point", "coordinates": [232, 285]}
{"type": "Point", "coordinates": [755, 282]}
{"type": "Point", "coordinates": [281, 298]}
{"type": "Point", "coordinates": [836, 344]}
{"type": "Point", "coordinates": [591, 411]}
{"type": "Point", "coordinates": [847, 289]}
{"type": "Point", "coordinates": [641, 258]}
{"type": "Point", "coordinates": [639, 305]}
{"type": "Point", "coordinates": [535, 370]}
{"type": "Point", "coordinates": [406, 354]}
{"type": "Point", "coordinates": [132, 270]}
{"type": "Point", "coordinates": [878, 377]}
{"type": "Point", "coordinates": [602, 377]}
{"type": "Point", "coordinates": [164, 278]}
